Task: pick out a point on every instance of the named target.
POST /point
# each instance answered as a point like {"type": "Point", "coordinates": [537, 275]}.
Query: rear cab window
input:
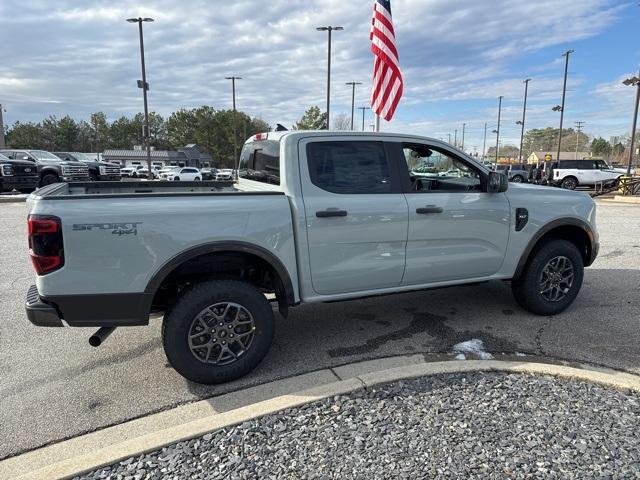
{"type": "Point", "coordinates": [260, 161]}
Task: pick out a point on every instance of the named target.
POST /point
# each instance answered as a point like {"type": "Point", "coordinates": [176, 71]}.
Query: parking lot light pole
{"type": "Point", "coordinates": [353, 98]}
{"type": "Point", "coordinates": [464, 126]}
{"type": "Point", "coordinates": [484, 144]}
{"type": "Point", "coordinates": [236, 160]}
{"type": "Point", "coordinates": [145, 87]}
{"type": "Point", "coordinates": [498, 129]}
{"type": "Point", "coordinates": [363, 110]}
{"type": "Point", "coordinates": [634, 81]}
{"type": "Point", "coordinates": [524, 115]}
{"type": "Point", "coordinates": [2, 143]}
{"type": "Point", "coordinates": [328, 29]}
{"type": "Point", "coordinates": [564, 94]}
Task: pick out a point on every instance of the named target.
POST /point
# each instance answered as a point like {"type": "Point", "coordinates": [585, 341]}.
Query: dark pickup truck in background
{"type": "Point", "coordinates": [98, 171]}
{"type": "Point", "coordinates": [20, 175]}
{"type": "Point", "coordinates": [51, 169]}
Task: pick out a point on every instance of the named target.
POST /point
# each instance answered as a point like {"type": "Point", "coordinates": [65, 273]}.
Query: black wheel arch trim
{"type": "Point", "coordinates": [225, 246]}
{"type": "Point", "coordinates": [542, 231]}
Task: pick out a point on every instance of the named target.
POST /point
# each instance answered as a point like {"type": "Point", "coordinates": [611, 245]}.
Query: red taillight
{"type": "Point", "coordinates": [260, 136]}
{"type": "Point", "coordinates": [45, 243]}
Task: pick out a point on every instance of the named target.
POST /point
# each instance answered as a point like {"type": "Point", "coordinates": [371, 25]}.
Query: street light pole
{"type": "Point", "coordinates": [630, 82]}
{"type": "Point", "coordinates": [455, 137]}
{"type": "Point", "coordinates": [484, 145]}
{"type": "Point", "coordinates": [498, 130]}
{"type": "Point", "coordinates": [464, 126]}
{"type": "Point", "coordinates": [328, 29]}
{"type": "Point", "coordinates": [363, 110]}
{"type": "Point", "coordinates": [236, 160]}
{"type": "Point", "coordinates": [353, 98]}
{"type": "Point", "coordinates": [524, 114]}
{"type": "Point", "coordinates": [145, 87]}
{"type": "Point", "coordinates": [2, 142]}
{"type": "Point", "coordinates": [564, 93]}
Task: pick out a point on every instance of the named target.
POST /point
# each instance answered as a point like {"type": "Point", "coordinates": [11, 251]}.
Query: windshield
{"type": "Point", "coordinates": [42, 155]}
{"type": "Point", "coordinates": [83, 157]}
{"type": "Point", "coordinates": [2, 157]}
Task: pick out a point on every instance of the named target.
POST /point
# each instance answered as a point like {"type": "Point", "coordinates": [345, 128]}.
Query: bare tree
{"type": "Point", "coordinates": [342, 122]}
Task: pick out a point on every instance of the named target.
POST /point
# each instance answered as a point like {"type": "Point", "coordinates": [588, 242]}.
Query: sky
{"type": "Point", "coordinates": [457, 56]}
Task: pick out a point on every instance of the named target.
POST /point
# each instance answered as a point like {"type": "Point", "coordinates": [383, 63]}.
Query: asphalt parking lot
{"type": "Point", "coordinates": [53, 385]}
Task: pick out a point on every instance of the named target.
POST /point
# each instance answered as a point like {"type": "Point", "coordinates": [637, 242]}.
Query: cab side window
{"type": "Point", "coordinates": [431, 169]}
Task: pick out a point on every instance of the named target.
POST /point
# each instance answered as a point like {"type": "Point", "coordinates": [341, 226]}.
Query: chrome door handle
{"type": "Point", "coordinates": [331, 212]}
{"type": "Point", "coordinates": [429, 209]}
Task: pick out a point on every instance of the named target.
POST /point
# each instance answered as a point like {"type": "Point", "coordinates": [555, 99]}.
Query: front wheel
{"type": "Point", "coordinates": [48, 179]}
{"type": "Point", "coordinates": [217, 331]}
{"type": "Point", "coordinates": [552, 278]}
{"type": "Point", "coordinates": [197, 179]}
{"type": "Point", "coordinates": [517, 179]}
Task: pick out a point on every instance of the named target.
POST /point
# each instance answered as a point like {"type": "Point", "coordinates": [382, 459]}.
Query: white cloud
{"type": "Point", "coordinates": [453, 53]}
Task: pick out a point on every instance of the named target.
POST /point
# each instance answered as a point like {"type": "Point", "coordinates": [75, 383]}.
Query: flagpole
{"type": "Point", "coordinates": [377, 123]}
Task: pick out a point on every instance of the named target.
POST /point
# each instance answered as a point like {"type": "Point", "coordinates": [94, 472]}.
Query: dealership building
{"type": "Point", "coordinates": [189, 156]}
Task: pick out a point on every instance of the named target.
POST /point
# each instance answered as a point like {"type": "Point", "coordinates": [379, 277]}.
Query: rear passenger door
{"type": "Point", "coordinates": [356, 215]}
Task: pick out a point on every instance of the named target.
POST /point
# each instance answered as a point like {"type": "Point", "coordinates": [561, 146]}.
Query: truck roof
{"type": "Point", "coordinates": [338, 133]}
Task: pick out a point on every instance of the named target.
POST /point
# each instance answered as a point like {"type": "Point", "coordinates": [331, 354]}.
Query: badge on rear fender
{"type": "Point", "coordinates": [126, 228]}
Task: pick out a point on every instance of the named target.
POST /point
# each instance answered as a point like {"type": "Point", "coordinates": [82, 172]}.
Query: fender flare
{"type": "Point", "coordinates": [542, 231]}
{"type": "Point", "coordinates": [224, 246]}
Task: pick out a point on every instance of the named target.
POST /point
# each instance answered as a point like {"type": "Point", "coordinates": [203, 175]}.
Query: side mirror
{"type": "Point", "coordinates": [497, 182]}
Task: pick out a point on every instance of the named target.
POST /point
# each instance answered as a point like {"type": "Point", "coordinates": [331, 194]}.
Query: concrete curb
{"type": "Point", "coordinates": [94, 450]}
{"type": "Point", "coordinates": [12, 199]}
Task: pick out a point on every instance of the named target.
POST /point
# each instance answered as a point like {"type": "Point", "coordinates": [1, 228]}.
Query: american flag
{"type": "Point", "coordinates": [387, 78]}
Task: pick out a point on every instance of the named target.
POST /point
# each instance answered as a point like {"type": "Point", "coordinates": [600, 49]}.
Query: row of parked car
{"type": "Point", "coordinates": [174, 173]}
{"type": "Point", "coordinates": [26, 170]}
{"type": "Point", "coordinates": [568, 174]}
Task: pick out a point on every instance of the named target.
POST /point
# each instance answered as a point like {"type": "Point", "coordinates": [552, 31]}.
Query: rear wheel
{"type": "Point", "coordinates": [552, 278]}
{"type": "Point", "coordinates": [48, 179]}
{"type": "Point", "coordinates": [197, 179]}
{"type": "Point", "coordinates": [517, 179]}
{"type": "Point", "coordinates": [217, 331]}
{"type": "Point", "coordinates": [569, 183]}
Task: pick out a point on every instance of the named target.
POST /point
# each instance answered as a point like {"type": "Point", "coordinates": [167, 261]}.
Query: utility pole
{"type": "Point", "coordinates": [464, 125]}
{"type": "Point", "coordinates": [498, 130]}
{"type": "Point", "coordinates": [328, 29]}
{"type": "Point", "coordinates": [353, 98]}
{"type": "Point", "coordinates": [578, 132]}
{"type": "Point", "coordinates": [145, 88]}
{"type": "Point", "coordinates": [455, 138]}
{"type": "Point", "coordinates": [524, 115]}
{"type": "Point", "coordinates": [449, 138]}
{"type": "Point", "coordinates": [236, 159]}
{"type": "Point", "coordinates": [363, 110]}
{"type": "Point", "coordinates": [564, 93]}
{"type": "Point", "coordinates": [484, 144]}
{"type": "Point", "coordinates": [631, 82]}
{"type": "Point", "coordinates": [2, 142]}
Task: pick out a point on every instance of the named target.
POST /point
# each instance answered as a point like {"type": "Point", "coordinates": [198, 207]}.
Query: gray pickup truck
{"type": "Point", "coordinates": [314, 217]}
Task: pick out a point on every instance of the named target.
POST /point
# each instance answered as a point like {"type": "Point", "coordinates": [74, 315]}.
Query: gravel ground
{"type": "Point", "coordinates": [481, 425]}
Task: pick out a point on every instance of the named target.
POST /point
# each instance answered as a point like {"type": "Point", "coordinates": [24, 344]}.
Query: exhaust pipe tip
{"type": "Point", "coordinates": [100, 336]}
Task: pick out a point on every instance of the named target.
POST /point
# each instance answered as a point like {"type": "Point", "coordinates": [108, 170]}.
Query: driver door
{"type": "Point", "coordinates": [456, 229]}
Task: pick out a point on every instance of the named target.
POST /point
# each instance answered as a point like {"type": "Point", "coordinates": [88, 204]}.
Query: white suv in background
{"type": "Point", "coordinates": [570, 174]}
{"type": "Point", "coordinates": [184, 173]}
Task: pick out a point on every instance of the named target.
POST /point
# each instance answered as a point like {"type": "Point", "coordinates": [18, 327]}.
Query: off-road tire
{"type": "Point", "coordinates": [527, 288]}
{"type": "Point", "coordinates": [48, 179]}
{"type": "Point", "coordinates": [179, 318]}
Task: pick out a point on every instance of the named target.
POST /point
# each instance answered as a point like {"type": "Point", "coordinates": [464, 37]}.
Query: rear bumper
{"type": "Point", "coordinates": [89, 310]}
{"type": "Point", "coordinates": [40, 313]}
